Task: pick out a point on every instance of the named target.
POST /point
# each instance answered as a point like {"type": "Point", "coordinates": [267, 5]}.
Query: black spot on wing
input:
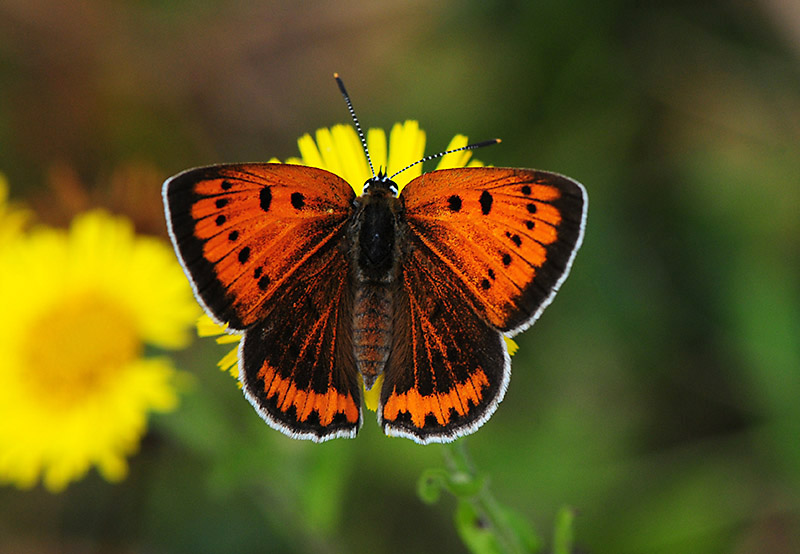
{"type": "Point", "coordinates": [486, 202]}
{"type": "Point", "coordinates": [454, 203]}
{"type": "Point", "coordinates": [265, 198]}
{"type": "Point", "coordinates": [514, 238]}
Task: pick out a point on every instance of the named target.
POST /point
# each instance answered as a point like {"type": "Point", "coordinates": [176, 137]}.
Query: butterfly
{"type": "Point", "coordinates": [331, 290]}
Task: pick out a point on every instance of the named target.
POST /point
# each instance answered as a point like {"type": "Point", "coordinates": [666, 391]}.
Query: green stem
{"type": "Point", "coordinates": [489, 510]}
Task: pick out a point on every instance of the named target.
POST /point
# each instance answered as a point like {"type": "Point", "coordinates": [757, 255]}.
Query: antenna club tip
{"type": "Point", "coordinates": [335, 75]}
{"type": "Point", "coordinates": [498, 141]}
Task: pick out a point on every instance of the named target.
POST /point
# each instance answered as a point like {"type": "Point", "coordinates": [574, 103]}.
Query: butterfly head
{"type": "Point", "coordinates": [380, 185]}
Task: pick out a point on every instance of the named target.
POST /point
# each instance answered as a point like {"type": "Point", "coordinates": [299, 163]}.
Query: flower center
{"type": "Point", "coordinates": [75, 349]}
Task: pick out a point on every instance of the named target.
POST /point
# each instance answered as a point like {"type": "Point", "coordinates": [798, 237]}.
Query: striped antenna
{"type": "Point", "coordinates": [355, 120]}
{"type": "Point", "coordinates": [440, 154]}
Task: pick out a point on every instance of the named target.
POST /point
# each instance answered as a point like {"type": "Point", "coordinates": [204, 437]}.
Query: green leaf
{"type": "Point", "coordinates": [522, 529]}
{"type": "Point", "coordinates": [476, 533]}
{"type": "Point", "coordinates": [459, 484]}
{"type": "Point", "coordinates": [430, 485]}
{"type": "Point", "coordinates": [464, 485]}
{"type": "Point", "coordinates": [563, 535]}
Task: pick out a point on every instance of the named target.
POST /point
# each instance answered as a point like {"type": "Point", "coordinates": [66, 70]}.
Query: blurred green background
{"type": "Point", "coordinates": [658, 396]}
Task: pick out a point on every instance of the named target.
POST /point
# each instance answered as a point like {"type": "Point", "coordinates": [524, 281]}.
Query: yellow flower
{"type": "Point", "coordinates": [207, 327]}
{"type": "Point", "coordinates": [339, 151]}
{"type": "Point", "coordinates": [12, 219]}
{"type": "Point", "coordinates": [79, 309]}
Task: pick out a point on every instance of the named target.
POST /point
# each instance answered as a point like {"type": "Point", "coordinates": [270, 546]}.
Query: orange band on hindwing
{"type": "Point", "coordinates": [285, 395]}
{"type": "Point", "coordinates": [444, 407]}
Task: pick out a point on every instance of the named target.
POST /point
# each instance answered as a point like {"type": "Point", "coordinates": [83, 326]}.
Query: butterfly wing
{"type": "Point", "coordinates": [262, 247]}
{"type": "Point", "coordinates": [508, 236]}
{"type": "Point", "coordinates": [447, 368]}
{"type": "Point", "coordinates": [492, 245]}
{"type": "Point", "coordinates": [244, 231]}
{"type": "Point", "coordinates": [299, 370]}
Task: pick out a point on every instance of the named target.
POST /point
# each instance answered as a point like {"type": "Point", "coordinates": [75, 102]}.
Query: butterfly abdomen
{"type": "Point", "coordinates": [375, 270]}
{"type": "Point", "coordinates": [372, 329]}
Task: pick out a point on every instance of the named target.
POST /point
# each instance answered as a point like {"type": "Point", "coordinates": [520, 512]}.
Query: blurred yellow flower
{"type": "Point", "coordinates": [339, 150]}
{"type": "Point", "coordinates": [79, 309]}
{"type": "Point", "coordinates": [12, 219]}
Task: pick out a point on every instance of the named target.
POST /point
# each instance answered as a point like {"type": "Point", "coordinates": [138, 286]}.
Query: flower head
{"type": "Point", "coordinates": [339, 150]}
{"type": "Point", "coordinates": [80, 307]}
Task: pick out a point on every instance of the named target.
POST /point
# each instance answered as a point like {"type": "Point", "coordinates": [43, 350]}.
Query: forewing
{"type": "Point", "coordinates": [505, 238]}
{"type": "Point", "coordinates": [244, 231]}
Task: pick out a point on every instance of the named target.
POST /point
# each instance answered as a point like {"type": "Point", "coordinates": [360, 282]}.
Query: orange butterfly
{"type": "Point", "coordinates": [332, 290]}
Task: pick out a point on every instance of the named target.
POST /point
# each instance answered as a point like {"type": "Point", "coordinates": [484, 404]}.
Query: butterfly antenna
{"type": "Point", "coordinates": [355, 120]}
{"type": "Point", "coordinates": [440, 154]}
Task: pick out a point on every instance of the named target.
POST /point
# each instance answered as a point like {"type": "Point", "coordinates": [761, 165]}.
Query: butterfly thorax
{"type": "Point", "coordinates": [374, 235]}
